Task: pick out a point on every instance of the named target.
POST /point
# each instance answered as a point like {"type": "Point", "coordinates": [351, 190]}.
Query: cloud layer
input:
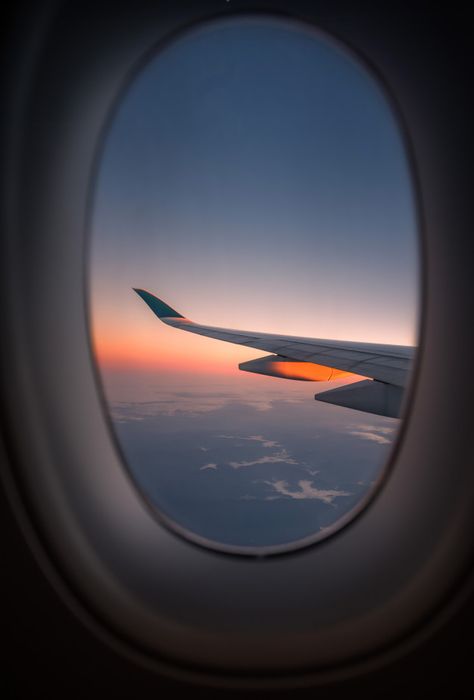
{"type": "Point", "coordinates": [305, 491]}
{"type": "Point", "coordinates": [374, 433]}
{"type": "Point", "coordinates": [253, 438]}
{"type": "Point", "coordinates": [281, 456]}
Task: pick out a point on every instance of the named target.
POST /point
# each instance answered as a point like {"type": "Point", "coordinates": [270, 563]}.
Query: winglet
{"type": "Point", "coordinates": [158, 307]}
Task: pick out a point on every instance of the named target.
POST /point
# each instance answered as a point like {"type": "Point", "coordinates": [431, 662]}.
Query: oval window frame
{"type": "Point", "coordinates": [85, 581]}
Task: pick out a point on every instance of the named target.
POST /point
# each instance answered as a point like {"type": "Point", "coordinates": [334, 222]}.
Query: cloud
{"type": "Point", "coordinates": [253, 438]}
{"type": "Point", "coordinates": [167, 405]}
{"type": "Point", "coordinates": [123, 417]}
{"type": "Point", "coordinates": [211, 465]}
{"type": "Point", "coordinates": [306, 491]}
{"type": "Point", "coordinates": [264, 442]}
{"type": "Point", "coordinates": [383, 429]}
{"type": "Point", "coordinates": [375, 433]}
{"type": "Point", "coordinates": [185, 402]}
{"type": "Point", "coordinates": [281, 456]}
{"type": "Point", "coordinates": [373, 437]}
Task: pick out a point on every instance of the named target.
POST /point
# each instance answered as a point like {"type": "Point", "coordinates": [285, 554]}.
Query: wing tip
{"type": "Point", "coordinates": [159, 307]}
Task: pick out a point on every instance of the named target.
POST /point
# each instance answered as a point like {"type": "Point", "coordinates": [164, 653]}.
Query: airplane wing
{"type": "Point", "coordinates": [314, 359]}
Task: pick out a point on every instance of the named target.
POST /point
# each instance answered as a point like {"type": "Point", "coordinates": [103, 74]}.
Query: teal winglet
{"type": "Point", "coordinates": [158, 307]}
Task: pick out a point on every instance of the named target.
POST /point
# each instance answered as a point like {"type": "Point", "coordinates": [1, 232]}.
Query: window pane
{"type": "Point", "coordinates": [253, 177]}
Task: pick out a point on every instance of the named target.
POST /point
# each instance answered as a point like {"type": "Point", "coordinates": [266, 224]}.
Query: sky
{"type": "Point", "coordinates": [253, 177]}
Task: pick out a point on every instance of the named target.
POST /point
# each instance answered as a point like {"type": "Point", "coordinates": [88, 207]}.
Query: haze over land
{"type": "Point", "coordinates": [247, 467]}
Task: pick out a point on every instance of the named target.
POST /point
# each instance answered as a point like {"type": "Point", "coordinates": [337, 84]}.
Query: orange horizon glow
{"type": "Point", "coordinates": [170, 351]}
{"type": "Point", "coordinates": [141, 343]}
{"type": "Point", "coordinates": [167, 350]}
{"type": "Point", "coordinates": [129, 338]}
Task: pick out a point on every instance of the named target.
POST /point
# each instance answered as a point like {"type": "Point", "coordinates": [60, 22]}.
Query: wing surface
{"type": "Point", "coordinates": [389, 364]}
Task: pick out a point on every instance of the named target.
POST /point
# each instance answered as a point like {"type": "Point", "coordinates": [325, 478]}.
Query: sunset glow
{"type": "Point", "coordinates": [155, 347]}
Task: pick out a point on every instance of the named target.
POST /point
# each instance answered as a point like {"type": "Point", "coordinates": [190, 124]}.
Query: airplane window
{"type": "Point", "coordinates": [253, 247]}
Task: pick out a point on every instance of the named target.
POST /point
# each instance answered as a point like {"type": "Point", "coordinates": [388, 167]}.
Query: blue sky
{"type": "Point", "coordinates": [254, 176]}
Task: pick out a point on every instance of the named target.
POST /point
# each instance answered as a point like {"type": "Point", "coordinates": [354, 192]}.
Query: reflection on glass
{"type": "Point", "coordinates": [253, 177]}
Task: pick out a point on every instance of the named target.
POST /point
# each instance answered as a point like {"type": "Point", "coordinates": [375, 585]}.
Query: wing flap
{"type": "Point", "coordinates": [368, 396]}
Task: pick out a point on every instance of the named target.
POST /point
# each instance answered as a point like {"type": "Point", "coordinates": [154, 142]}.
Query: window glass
{"type": "Point", "coordinates": [253, 177]}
